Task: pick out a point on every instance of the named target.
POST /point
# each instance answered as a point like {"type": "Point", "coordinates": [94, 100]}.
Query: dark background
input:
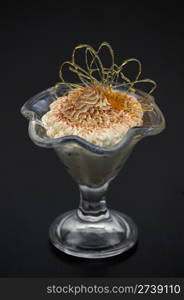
{"type": "Point", "coordinates": [35, 187]}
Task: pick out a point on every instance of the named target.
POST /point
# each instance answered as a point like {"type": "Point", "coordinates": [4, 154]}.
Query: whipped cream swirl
{"type": "Point", "coordinates": [89, 113]}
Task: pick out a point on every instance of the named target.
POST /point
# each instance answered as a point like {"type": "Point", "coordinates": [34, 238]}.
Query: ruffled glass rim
{"type": "Point", "coordinates": [36, 106]}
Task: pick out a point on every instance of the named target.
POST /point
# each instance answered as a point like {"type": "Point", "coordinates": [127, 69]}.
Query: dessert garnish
{"type": "Point", "coordinates": [103, 106]}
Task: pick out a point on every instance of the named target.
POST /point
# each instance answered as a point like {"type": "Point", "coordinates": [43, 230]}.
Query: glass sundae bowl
{"type": "Point", "coordinates": [92, 230]}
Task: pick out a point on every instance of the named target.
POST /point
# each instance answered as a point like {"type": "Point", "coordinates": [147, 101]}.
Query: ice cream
{"type": "Point", "coordinates": [101, 115]}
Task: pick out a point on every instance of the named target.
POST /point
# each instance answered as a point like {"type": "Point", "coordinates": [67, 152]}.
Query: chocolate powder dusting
{"type": "Point", "coordinates": [92, 107]}
{"type": "Point", "coordinates": [93, 112]}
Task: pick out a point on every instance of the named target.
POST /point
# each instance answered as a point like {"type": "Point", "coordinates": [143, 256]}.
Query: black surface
{"type": "Point", "coordinates": [34, 186]}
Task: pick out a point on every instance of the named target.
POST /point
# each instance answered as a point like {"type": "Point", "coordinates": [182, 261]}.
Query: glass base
{"type": "Point", "coordinates": [104, 238]}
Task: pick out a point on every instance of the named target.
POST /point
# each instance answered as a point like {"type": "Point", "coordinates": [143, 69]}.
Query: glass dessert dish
{"type": "Point", "coordinates": [92, 230]}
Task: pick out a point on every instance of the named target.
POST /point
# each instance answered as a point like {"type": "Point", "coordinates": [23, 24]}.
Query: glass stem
{"type": "Point", "coordinates": [92, 205]}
